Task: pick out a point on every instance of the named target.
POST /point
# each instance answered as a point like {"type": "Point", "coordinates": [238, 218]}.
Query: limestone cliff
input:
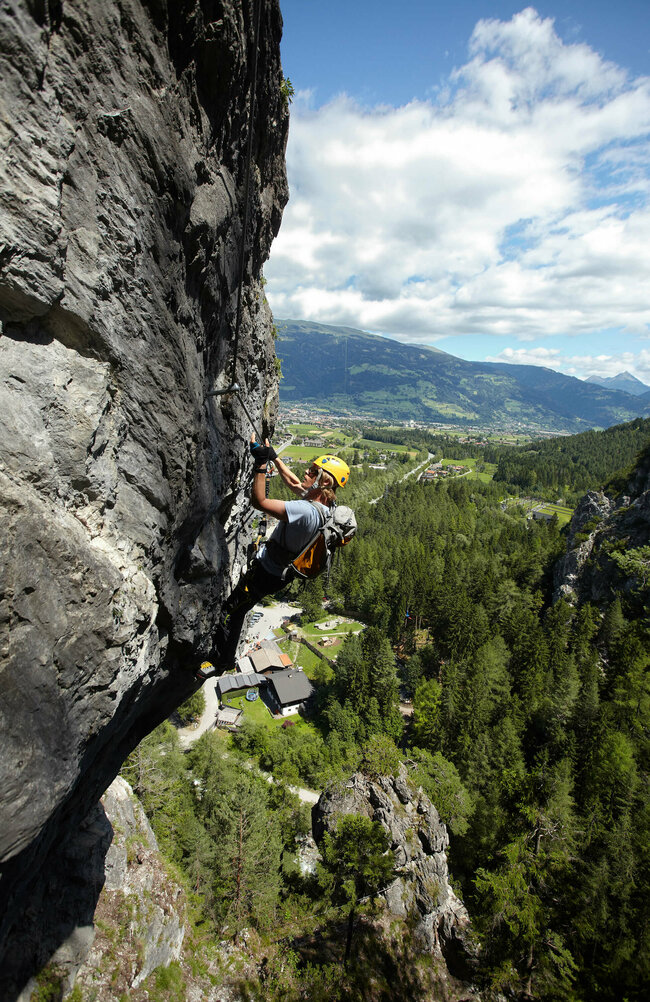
{"type": "Point", "coordinates": [421, 892]}
{"type": "Point", "coordinates": [139, 921]}
{"type": "Point", "coordinates": [616, 519]}
{"type": "Point", "coordinates": [122, 488]}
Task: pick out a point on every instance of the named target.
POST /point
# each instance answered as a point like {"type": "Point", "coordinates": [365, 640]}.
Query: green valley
{"type": "Point", "coordinates": [522, 710]}
{"type": "Point", "coordinates": [355, 374]}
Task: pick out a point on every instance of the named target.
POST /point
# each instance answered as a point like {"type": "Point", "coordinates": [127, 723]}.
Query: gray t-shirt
{"type": "Point", "coordinates": [303, 521]}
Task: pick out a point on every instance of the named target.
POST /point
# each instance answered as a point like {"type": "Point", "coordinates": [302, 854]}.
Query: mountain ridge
{"type": "Point", "coordinates": [624, 381]}
{"type": "Point", "coordinates": [344, 369]}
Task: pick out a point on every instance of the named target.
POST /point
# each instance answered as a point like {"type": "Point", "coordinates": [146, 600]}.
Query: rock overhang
{"type": "Point", "coordinates": [122, 489]}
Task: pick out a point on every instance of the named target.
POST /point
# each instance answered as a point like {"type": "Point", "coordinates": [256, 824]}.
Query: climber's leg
{"type": "Point", "coordinates": [253, 586]}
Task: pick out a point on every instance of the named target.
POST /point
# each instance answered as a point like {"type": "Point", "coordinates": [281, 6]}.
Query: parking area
{"type": "Point", "coordinates": [270, 619]}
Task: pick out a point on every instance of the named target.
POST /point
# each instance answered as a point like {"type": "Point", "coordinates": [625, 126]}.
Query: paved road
{"type": "Point", "coordinates": [284, 445]}
{"type": "Point", "coordinates": [409, 474]}
{"type": "Point", "coordinates": [188, 735]}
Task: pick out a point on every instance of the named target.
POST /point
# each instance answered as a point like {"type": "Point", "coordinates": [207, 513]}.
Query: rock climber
{"type": "Point", "coordinates": [298, 522]}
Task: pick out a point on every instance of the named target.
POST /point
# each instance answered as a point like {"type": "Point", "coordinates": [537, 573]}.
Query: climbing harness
{"type": "Point", "coordinates": [234, 387]}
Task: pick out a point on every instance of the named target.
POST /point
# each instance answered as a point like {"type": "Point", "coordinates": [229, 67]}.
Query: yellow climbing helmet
{"type": "Point", "coordinates": [336, 468]}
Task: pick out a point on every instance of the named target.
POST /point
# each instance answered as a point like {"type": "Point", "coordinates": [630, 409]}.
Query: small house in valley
{"type": "Point", "coordinates": [289, 690]}
{"type": "Point", "coordinates": [236, 681]}
{"type": "Point", "coordinates": [269, 658]}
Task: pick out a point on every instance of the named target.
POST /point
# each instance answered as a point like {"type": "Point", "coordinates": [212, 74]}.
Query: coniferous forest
{"type": "Point", "coordinates": [530, 732]}
{"type": "Point", "coordinates": [568, 464]}
{"type": "Point", "coordinates": [543, 709]}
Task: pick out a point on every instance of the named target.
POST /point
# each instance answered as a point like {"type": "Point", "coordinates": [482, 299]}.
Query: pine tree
{"type": "Point", "coordinates": [526, 944]}
{"type": "Point", "coordinates": [357, 862]}
{"type": "Point", "coordinates": [247, 867]}
{"type": "Point", "coordinates": [426, 716]}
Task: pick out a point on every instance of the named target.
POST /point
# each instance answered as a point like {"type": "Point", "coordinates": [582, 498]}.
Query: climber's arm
{"type": "Point", "coordinates": [259, 500]}
{"type": "Point", "coordinates": [289, 477]}
{"type": "Point", "coordinates": [267, 454]}
{"type": "Point", "coordinates": [262, 455]}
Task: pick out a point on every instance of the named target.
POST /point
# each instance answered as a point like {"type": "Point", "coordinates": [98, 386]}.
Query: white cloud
{"type": "Point", "coordinates": [517, 206]}
{"type": "Point", "coordinates": [637, 363]}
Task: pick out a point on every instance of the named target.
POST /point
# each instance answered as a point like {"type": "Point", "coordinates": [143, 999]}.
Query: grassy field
{"type": "Point", "coordinates": [306, 429]}
{"type": "Point", "coordinates": [562, 512]}
{"type": "Point", "coordinates": [257, 711]}
{"type": "Point", "coordinates": [299, 453]}
{"type": "Point", "coordinates": [347, 626]}
{"type": "Point", "coordinates": [484, 475]}
{"type": "Point", "coordinates": [371, 443]}
{"type": "Point", "coordinates": [302, 656]}
{"type": "Point", "coordinates": [305, 453]}
{"type": "Point", "coordinates": [333, 435]}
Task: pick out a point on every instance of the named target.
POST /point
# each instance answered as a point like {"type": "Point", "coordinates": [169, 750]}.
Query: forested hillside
{"type": "Point", "coordinates": [576, 462]}
{"type": "Point", "coordinates": [543, 710]}
{"type": "Point", "coordinates": [349, 371]}
{"type": "Point", "coordinates": [529, 732]}
{"type": "Point", "coordinates": [566, 464]}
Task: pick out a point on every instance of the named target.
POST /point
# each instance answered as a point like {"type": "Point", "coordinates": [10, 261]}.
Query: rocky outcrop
{"type": "Point", "coordinates": [56, 929]}
{"type": "Point", "coordinates": [421, 890]}
{"type": "Point", "coordinates": [122, 487]}
{"type": "Point", "coordinates": [617, 519]}
{"type": "Point", "coordinates": [589, 514]}
{"type": "Point", "coordinates": [141, 911]}
{"type": "Point", "coordinates": [135, 914]}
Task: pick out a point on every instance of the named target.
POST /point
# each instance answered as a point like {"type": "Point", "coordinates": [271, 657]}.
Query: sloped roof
{"type": "Point", "coordinates": [291, 686]}
{"type": "Point", "coordinates": [272, 647]}
{"type": "Point", "coordinates": [229, 715]}
{"type": "Point", "coordinates": [240, 680]}
{"type": "Point", "coordinates": [268, 656]}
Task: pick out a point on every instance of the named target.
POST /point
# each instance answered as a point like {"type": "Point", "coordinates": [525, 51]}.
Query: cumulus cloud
{"type": "Point", "coordinates": [581, 366]}
{"type": "Point", "coordinates": [517, 204]}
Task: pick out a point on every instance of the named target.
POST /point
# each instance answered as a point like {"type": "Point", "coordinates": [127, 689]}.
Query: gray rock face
{"type": "Point", "coordinates": [419, 840]}
{"type": "Point", "coordinates": [118, 902]}
{"type": "Point", "coordinates": [138, 888]}
{"type": "Point", "coordinates": [592, 509]}
{"type": "Point", "coordinates": [122, 488]}
{"type": "Point", "coordinates": [57, 929]}
{"type": "Point", "coordinates": [586, 573]}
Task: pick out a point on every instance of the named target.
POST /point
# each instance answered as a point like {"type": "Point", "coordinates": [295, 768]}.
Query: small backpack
{"type": "Point", "coordinates": [337, 529]}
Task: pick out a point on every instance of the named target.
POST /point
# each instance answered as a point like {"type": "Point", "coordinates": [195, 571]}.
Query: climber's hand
{"type": "Point", "coordinates": [262, 454]}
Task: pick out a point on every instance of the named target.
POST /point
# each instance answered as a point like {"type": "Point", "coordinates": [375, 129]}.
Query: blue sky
{"type": "Point", "coordinates": [474, 176]}
{"type": "Point", "coordinates": [378, 52]}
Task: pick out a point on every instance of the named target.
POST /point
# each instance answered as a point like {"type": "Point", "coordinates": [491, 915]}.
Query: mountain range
{"type": "Point", "coordinates": [623, 381]}
{"type": "Point", "coordinates": [347, 371]}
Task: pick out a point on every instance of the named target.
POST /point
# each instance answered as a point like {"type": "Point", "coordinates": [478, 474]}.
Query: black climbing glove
{"type": "Point", "coordinates": [262, 454]}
